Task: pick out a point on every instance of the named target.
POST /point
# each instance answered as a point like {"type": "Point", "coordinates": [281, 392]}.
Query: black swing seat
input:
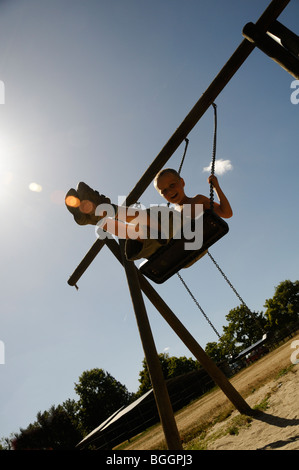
{"type": "Point", "coordinates": [171, 258]}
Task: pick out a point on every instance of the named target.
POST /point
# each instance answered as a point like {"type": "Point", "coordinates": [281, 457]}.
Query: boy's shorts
{"type": "Point", "coordinates": [134, 249]}
{"type": "Point", "coordinates": [162, 231]}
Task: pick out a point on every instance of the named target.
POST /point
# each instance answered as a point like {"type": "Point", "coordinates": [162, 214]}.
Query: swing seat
{"type": "Point", "coordinates": [171, 258]}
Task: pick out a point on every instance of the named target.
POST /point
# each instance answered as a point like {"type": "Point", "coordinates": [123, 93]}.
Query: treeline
{"type": "Point", "coordinates": [63, 426]}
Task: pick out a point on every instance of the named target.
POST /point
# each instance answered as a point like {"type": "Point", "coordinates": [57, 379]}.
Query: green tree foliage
{"type": "Point", "coordinates": [100, 396]}
{"type": "Point", "coordinates": [216, 351]}
{"type": "Point", "coordinates": [62, 427]}
{"type": "Point", "coordinates": [53, 429]}
{"type": "Point", "coordinates": [283, 308]}
{"type": "Point", "coordinates": [171, 367]}
{"type": "Point", "coordinates": [243, 329]}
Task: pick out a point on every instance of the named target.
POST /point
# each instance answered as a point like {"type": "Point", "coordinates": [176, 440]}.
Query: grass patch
{"type": "Point", "coordinates": [284, 371]}
{"type": "Point", "coordinates": [241, 421]}
{"type": "Point", "coordinates": [202, 441]}
{"type": "Point", "coordinates": [264, 404]}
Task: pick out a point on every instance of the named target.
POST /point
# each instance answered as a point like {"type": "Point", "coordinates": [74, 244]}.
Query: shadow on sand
{"type": "Point", "coordinates": [278, 422]}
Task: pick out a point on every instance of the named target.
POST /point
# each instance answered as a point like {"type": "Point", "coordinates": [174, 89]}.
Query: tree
{"type": "Point", "coordinates": [171, 367]}
{"type": "Point", "coordinates": [283, 308]}
{"type": "Point", "coordinates": [244, 327]}
{"type": "Point", "coordinates": [53, 429]}
{"type": "Point", "coordinates": [6, 442]}
{"type": "Point", "coordinates": [216, 351]}
{"type": "Point", "coordinates": [100, 396]}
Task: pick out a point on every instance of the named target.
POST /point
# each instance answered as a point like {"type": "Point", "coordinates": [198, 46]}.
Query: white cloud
{"type": "Point", "coordinates": [221, 167]}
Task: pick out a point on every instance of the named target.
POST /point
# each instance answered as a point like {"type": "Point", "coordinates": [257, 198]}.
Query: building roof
{"type": "Point", "coordinates": [251, 348]}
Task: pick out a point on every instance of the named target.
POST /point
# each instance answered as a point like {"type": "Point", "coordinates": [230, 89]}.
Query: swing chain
{"type": "Point", "coordinates": [211, 257]}
{"type": "Point", "coordinates": [213, 157]}
{"type": "Point", "coordinates": [237, 294]}
{"type": "Point", "coordinates": [211, 207]}
{"type": "Point", "coordinates": [184, 155]}
{"type": "Point", "coordinates": [197, 304]}
{"type": "Point", "coordinates": [228, 281]}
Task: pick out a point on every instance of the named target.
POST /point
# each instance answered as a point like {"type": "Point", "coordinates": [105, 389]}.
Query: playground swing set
{"type": "Point", "coordinates": [281, 45]}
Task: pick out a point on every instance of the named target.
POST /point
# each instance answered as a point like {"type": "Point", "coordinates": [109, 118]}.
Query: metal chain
{"type": "Point", "coordinates": [212, 208]}
{"type": "Point", "coordinates": [213, 157]}
{"type": "Point", "coordinates": [197, 304]}
{"type": "Point", "coordinates": [227, 280]}
{"type": "Point", "coordinates": [183, 158]}
{"type": "Point", "coordinates": [182, 161]}
{"type": "Point", "coordinates": [235, 291]}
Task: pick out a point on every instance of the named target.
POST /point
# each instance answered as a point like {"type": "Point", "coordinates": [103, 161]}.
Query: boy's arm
{"type": "Point", "coordinates": [223, 209]}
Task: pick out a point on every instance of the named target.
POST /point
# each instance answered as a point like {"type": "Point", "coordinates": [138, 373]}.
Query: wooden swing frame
{"type": "Point", "coordinates": [138, 283]}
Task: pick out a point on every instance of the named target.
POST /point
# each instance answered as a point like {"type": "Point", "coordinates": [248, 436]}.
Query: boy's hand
{"type": "Point", "coordinates": [213, 180]}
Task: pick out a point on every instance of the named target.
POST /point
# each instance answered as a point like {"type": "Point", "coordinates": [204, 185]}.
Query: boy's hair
{"type": "Point", "coordinates": [163, 172]}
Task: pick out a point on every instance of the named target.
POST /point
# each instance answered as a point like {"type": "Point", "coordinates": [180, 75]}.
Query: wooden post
{"type": "Point", "coordinates": [211, 368]}
{"type": "Point", "coordinates": [288, 39]}
{"type": "Point", "coordinates": [155, 370]}
{"type": "Point", "coordinates": [275, 51]}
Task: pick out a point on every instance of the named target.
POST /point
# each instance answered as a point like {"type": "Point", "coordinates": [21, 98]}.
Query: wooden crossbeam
{"type": "Point", "coordinates": [288, 39]}
{"type": "Point", "coordinates": [273, 49]}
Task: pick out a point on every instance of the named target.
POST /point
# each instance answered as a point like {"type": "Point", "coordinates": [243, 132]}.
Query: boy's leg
{"type": "Point", "coordinates": [82, 203]}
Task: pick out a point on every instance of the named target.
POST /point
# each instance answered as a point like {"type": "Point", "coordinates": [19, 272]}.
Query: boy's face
{"type": "Point", "coordinates": [171, 188]}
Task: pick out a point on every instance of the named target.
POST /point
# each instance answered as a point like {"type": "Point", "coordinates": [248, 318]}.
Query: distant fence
{"type": "Point", "coordinates": [134, 419]}
{"type": "Point", "coordinates": [273, 341]}
{"type": "Point", "coordinates": [280, 336]}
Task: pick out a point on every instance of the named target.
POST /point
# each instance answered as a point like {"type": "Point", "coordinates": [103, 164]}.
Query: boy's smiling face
{"type": "Point", "coordinates": [171, 187]}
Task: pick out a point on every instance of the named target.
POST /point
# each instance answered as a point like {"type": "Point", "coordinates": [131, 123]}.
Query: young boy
{"type": "Point", "coordinates": [145, 233]}
{"type": "Point", "coordinates": [171, 186]}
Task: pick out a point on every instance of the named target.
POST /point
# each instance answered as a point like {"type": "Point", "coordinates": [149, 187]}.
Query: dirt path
{"type": "Point", "coordinates": [276, 427]}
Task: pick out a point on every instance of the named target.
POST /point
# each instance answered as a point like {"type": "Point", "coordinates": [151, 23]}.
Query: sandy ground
{"type": "Point", "coordinates": [276, 426]}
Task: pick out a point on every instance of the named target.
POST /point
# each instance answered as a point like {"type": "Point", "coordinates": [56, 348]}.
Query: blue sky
{"type": "Point", "coordinates": [93, 91]}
